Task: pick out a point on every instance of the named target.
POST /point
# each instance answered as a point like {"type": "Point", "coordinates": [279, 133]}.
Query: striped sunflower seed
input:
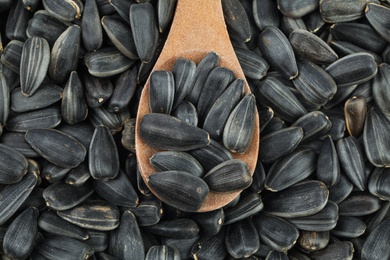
{"type": "Point", "coordinates": [15, 27]}
{"type": "Point", "coordinates": [328, 167]}
{"type": "Point", "coordinates": [161, 92]}
{"type": "Point", "coordinates": [186, 112]}
{"type": "Point", "coordinates": [64, 10]}
{"type": "Point", "coordinates": [91, 29]}
{"type": "Point", "coordinates": [378, 16]}
{"type": "Point", "coordinates": [242, 239]}
{"type": "Point", "coordinates": [338, 250]}
{"type": "Point", "coordinates": [349, 227]}
{"type": "Point", "coordinates": [380, 88]}
{"type": "Point", "coordinates": [176, 228]}
{"type": "Point", "coordinates": [183, 72]}
{"type": "Point", "coordinates": [13, 165]}
{"type": "Point", "coordinates": [5, 98]}
{"type": "Point", "coordinates": [165, 11]}
{"type": "Point", "coordinates": [297, 9]}
{"type": "Point", "coordinates": [162, 252]}
{"type": "Point", "coordinates": [237, 19]}
{"type": "Point", "coordinates": [12, 54]}
{"type": "Point", "coordinates": [359, 204]}
{"type": "Point", "coordinates": [210, 223]}
{"type": "Point", "coordinates": [313, 240]}
{"type": "Point", "coordinates": [246, 207]}
{"type": "Point", "coordinates": [336, 11]}
{"type": "Point", "coordinates": [34, 64]}
{"type": "Point", "coordinates": [375, 247]}
{"type": "Point", "coordinates": [19, 143]}
{"type": "Point", "coordinates": [66, 248]}
{"type": "Point", "coordinates": [265, 13]}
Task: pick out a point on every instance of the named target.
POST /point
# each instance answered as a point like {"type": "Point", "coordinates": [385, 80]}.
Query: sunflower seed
{"type": "Point", "coordinates": [277, 50]}
{"type": "Point", "coordinates": [124, 90]}
{"type": "Point", "coordinates": [61, 196]}
{"type": "Point", "coordinates": [118, 191]}
{"type": "Point", "coordinates": [375, 219]}
{"type": "Point", "coordinates": [11, 55]}
{"type": "Point", "coordinates": [128, 243]}
{"type": "Point", "coordinates": [82, 132]}
{"type": "Point", "coordinates": [232, 175]}
{"type": "Point", "coordinates": [355, 110]}
{"type": "Point", "coordinates": [265, 14]}
{"type": "Point", "coordinates": [120, 34]}
{"type": "Point", "coordinates": [209, 62]}
{"type": "Point", "coordinates": [349, 227]}
{"type": "Point", "coordinates": [309, 46]}
{"type": "Point", "coordinates": [169, 133]}
{"type": "Point", "coordinates": [66, 11]}
{"type": "Point", "coordinates": [19, 240]}
{"type": "Point", "coordinates": [328, 167]}
{"type": "Point", "coordinates": [380, 86]}
{"type": "Point", "coordinates": [253, 65]}
{"type": "Point", "coordinates": [291, 169]}
{"type": "Point", "coordinates": [46, 95]}
{"type": "Point", "coordinates": [103, 157]}
{"type": "Point", "coordinates": [5, 98]}
{"type": "Point", "coordinates": [375, 246]}
{"type": "Point", "coordinates": [97, 90]}
{"type": "Point", "coordinates": [145, 36]}
{"type": "Point", "coordinates": [180, 161]}
{"type": "Point", "coordinates": [352, 161]}
{"type": "Point", "coordinates": [149, 211]}
{"type": "Point", "coordinates": [162, 252]}
{"type": "Point", "coordinates": [353, 69]}
{"type": "Point", "coordinates": [122, 8]}
{"type": "Point", "coordinates": [49, 117]}
{"type": "Point", "coordinates": [100, 116]}
{"type": "Point", "coordinates": [211, 222]}
{"type": "Point", "coordinates": [314, 21]}
{"type": "Point", "coordinates": [65, 248]}
{"type": "Point", "coordinates": [96, 215]}
{"type": "Point", "coordinates": [161, 92]}
{"type": "Point", "coordinates": [53, 173]}
{"type": "Point", "coordinates": [298, 8]}
{"type": "Point", "coordinates": [239, 129]}
{"type": "Point", "coordinates": [288, 24]}
{"type": "Point", "coordinates": [341, 190]}
{"type": "Point", "coordinates": [179, 189]}
{"type": "Point", "coordinates": [165, 11]}
{"type": "Point", "coordinates": [183, 72]}
{"type": "Point", "coordinates": [15, 27]}
{"type": "Point", "coordinates": [378, 182]}
{"type": "Point", "coordinates": [17, 142]}
{"type": "Point", "coordinates": [177, 228]}
{"type": "Point", "coordinates": [313, 240]}
{"type": "Point", "coordinates": [378, 16]}
{"type": "Point", "coordinates": [210, 247]}
{"type": "Point", "coordinates": [279, 143]}
{"type": "Point", "coordinates": [13, 195]}
{"type": "Point", "coordinates": [341, 95]}
{"type": "Point", "coordinates": [314, 124]}
{"type": "Point", "coordinates": [237, 19]}
{"type": "Point", "coordinates": [56, 147]}
{"type": "Point", "coordinates": [242, 239]}
{"type": "Point", "coordinates": [336, 11]}
{"type": "Point", "coordinates": [246, 207]}
{"type": "Point", "coordinates": [274, 94]}
{"type": "Point", "coordinates": [65, 54]}
{"type": "Point", "coordinates": [97, 240]}
{"type": "Point", "coordinates": [345, 48]}
{"type": "Point", "coordinates": [53, 224]}
{"type": "Point", "coordinates": [276, 232]}
{"type": "Point", "coordinates": [358, 205]}
{"type": "Point", "coordinates": [186, 112]}
{"type": "Point", "coordinates": [339, 250]}
{"type": "Point", "coordinates": [91, 30]}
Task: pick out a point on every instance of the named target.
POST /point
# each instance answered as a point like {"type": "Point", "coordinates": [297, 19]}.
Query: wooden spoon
{"type": "Point", "coordinates": [198, 28]}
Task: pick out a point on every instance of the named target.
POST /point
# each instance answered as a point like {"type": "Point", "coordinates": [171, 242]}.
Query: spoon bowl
{"type": "Point", "coordinates": [198, 28]}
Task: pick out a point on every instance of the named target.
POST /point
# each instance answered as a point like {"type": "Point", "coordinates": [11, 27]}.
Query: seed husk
{"type": "Point", "coordinates": [328, 167]}
{"type": "Point", "coordinates": [349, 227]}
{"type": "Point", "coordinates": [208, 63]}
{"type": "Point", "coordinates": [46, 95]}
{"type": "Point", "coordinates": [65, 54]}
{"type": "Point", "coordinates": [13, 195]}
{"type": "Point", "coordinates": [103, 157]}
{"type": "Point", "coordinates": [96, 215]}
{"type": "Point", "coordinates": [298, 8]}
{"type": "Point", "coordinates": [276, 232]}
{"type": "Point", "coordinates": [378, 183]}
{"type": "Point", "coordinates": [161, 92]}
{"type": "Point", "coordinates": [237, 19]}
{"type": "Point", "coordinates": [186, 112]}
{"type": "Point", "coordinates": [181, 161]}
{"type": "Point", "coordinates": [314, 83]}
{"type": "Point", "coordinates": [91, 30]}
{"type": "Point", "coordinates": [339, 250]}
{"type": "Point", "coordinates": [183, 72]}
{"type": "Point", "coordinates": [19, 240]}
{"type": "Point", "coordinates": [314, 124]}
{"type": "Point", "coordinates": [176, 228]}
{"type": "Point", "coordinates": [63, 10]}
{"type": "Point", "coordinates": [15, 27]}
{"type": "Point", "coordinates": [355, 111]}
{"type": "Point", "coordinates": [351, 160]}
{"type": "Point", "coordinates": [98, 240]}
{"type": "Point", "coordinates": [65, 248]}
{"type": "Point", "coordinates": [265, 14]}
{"type": "Point", "coordinates": [53, 224]}
{"type": "Point", "coordinates": [122, 8]}
{"type": "Point", "coordinates": [239, 129]}
{"type": "Point", "coordinates": [125, 87]}
{"type": "Point", "coordinates": [118, 191]}
{"type": "Point", "coordinates": [288, 25]}
{"type": "Point", "coordinates": [341, 190]}
{"type": "Point", "coordinates": [336, 11]}
{"type": "Point", "coordinates": [276, 95]}
{"type": "Point", "coordinates": [162, 252]}
{"type": "Point", "coordinates": [291, 169]}
{"type": "Point", "coordinates": [277, 50]}
{"type": "Point", "coordinates": [280, 143]}
{"type": "Point", "coordinates": [353, 69]}
{"type": "Point", "coordinates": [232, 175]}
{"type": "Point", "coordinates": [241, 239]}
{"type": "Point", "coordinates": [48, 117]}
{"type": "Point", "coordinates": [378, 17]}
{"type": "Point", "coordinates": [247, 206]}
{"type": "Point", "coordinates": [303, 199]}
{"type": "Point", "coordinates": [380, 89]}
{"type": "Point", "coordinates": [375, 246]}
{"type": "Point", "coordinates": [210, 247]}
{"type": "Point", "coordinates": [97, 90]}
{"type": "Point", "coordinates": [149, 211]}
{"type": "Point", "coordinates": [120, 34]}
{"type": "Point", "coordinates": [56, 147]}
{"type": "Point", "coordinates": [107, 62]}
{"type": "Point", "coordinates": [345, 48]}
{"type": "Point", "coordinates": [128, 243]}
{"type": "Point", "coordinates": [313, 240]}
{"type": "Point", "coordinates": [62, 196]}
{"type": "Point", "coordinates": [359, 205]}
{"type": "Point", "coordinates": [253, 65]}
{"type": "Point", "coordinates": [324, 220]}
{"type": "Point", "coordinates": [145, 30]}
{"type": "Point", "coordinates": [13, 165]}
{"type": "Point", "coordinates": [168, 133]}
{"type": "Point", "coordinates": [11, 55]}
{"type": "Point", "coordinates": [210, 223]}
{"type": "Point", "coordinates": [34, 64]}
{"type": "Point", "coordinates": [165, 11]}
{"type": "Point", "coordinates": [82, 132]}
{"type": "Point", "coordinates": [309, 46]}
{"type": "Point", "coordinates": [179, 189]}
{"type": "Point", "coordinates": [53, 173]}
{"type": "Point", "coordinates": [17, 142]}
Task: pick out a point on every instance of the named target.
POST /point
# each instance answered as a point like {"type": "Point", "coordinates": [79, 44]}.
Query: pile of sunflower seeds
{"type": "Point", "coordinates": [71, 73]}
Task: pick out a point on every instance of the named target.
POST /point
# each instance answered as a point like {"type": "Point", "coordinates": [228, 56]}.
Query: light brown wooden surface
{"type": "Point", "coordinates": [198, 28]}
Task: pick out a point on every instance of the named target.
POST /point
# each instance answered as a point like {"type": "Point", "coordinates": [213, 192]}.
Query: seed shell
{"type": "Point", "coordinates": [378, 17]}
{"type": "Point", "coordinates": [359, 205]}
{"type": "Point", "coordinates": [237, 19]}
{"type": "Point", "coordinates": [56, 147]}
{"type": "Point", "coordinates": [242, 239]}
{"type": "Point", "coordinates": [161, 92]}
{"type": "Point", "coordinates": [65, 248]}
{"type": "Point", "coordinates": [265, 14]}
{"type": "Point", "coordinates": [162, 252]}
{"type": "Point", "coordinates": [246, 207]}
{"type": "Point", "coordinates": [328, 167]}
{"type": "Point", "coordinates": [91, 29]}
{"type": "Point", "coordinates": [380, 89]}
{"type": "Point", "coordinates": [183, 72]}
{"type": "Point", "coordinates": [375, 246]}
